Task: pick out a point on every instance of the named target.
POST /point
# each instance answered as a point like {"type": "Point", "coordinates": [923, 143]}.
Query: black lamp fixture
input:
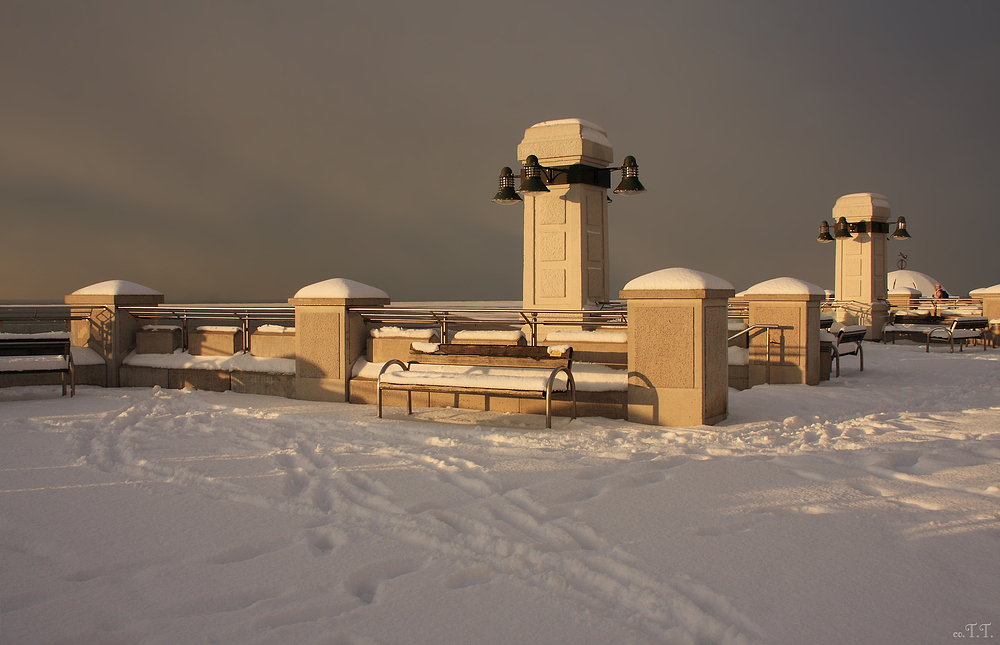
{"type": "Point", "coordinates": [536, 178]}
{"type": "Point", "coordinates": [900, 233]}
{"type": "Point", "coordinates": [824, 233]}
{"type": "Point", "coordinates": [842, 229]}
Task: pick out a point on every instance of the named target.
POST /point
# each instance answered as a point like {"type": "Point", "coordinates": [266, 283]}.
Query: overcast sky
{"type": "Point", "coordinates": [238, 151]}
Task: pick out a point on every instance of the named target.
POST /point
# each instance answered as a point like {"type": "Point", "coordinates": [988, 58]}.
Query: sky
{"type": "Point", "coordinates": [238, 151]}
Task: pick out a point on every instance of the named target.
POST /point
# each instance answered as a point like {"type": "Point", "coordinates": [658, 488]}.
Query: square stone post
{"type": "Point", "coordinates": [566, 229]}
{"type": "Point", "coordinates": [678, 368]}
{"type": "Point", "coordinates": [329, 337]}
{"type": "Point", "coordinates": [861, 264]}
{"type": "Point", "coordinates": [794, 349]}
{"type": "Point", "coordinates": [991, 309]}
{"type": "Point", "coordinates": [110, 331]}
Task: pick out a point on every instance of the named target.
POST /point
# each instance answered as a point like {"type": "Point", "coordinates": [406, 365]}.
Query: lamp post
{"type": "Point", "coordinates": [565, 176]}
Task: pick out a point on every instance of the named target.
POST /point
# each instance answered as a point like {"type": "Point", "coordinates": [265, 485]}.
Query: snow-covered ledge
{"type": "Point", "coordinates": [793, 305]}
{"type": "Point", "coordinates": [677, 358]}
{"type": "Point", "coordinates": [329, 338]}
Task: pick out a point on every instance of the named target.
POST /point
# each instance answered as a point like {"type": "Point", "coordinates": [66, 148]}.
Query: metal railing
{"type": "Point", "coordinates": [758, 328]}
{"type": "Point", "coordinates": [249, 317]}
{"type": "Point", "coordinates": [32, 319]}
{"type": "Point", "coordinates": [446, 320]}
{"type": "Point", "coordinates": [861, 310]}
{"type": "Point", "coordinates": [939, 306]}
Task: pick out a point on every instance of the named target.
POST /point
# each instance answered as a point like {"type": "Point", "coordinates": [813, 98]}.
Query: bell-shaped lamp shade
{"type": "Point", "coordinates": [841, 229]}
{"type": "Point", "coordinates": [900, 233]}
{"type": "Point", "coordinates": [507, 194]}
{"type": "Point", "coordinates": [532, 182]}
{"type": "Point", "coordinates": [630, 184]}
{"type": "Point", "coordinates": [824, 233]}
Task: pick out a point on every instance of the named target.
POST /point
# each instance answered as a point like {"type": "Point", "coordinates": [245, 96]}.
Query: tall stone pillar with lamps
{"type": "Point", "coordinates": [566, 228]}
{"type": "Point", "coordinates": [861, 256]}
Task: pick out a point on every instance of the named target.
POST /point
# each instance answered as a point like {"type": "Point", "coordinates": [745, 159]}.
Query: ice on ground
{"type": "Point", "coordinates": [863, 510]}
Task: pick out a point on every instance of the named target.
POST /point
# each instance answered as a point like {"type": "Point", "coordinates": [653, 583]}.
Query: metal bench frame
{"type": "Point", "coordinates": [845, 337]}
{"type": "Point", "coordinates": [29, 346]}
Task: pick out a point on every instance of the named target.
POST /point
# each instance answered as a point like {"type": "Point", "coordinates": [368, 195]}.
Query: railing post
{"type": "Point", "coordinates": [111, 335]}
{"type": "Point", "coordinates": [678, 368]}
{"type": "Point", "coordinates": [793, 306]}
{"type": "Point", "coordinates": [329, 337]}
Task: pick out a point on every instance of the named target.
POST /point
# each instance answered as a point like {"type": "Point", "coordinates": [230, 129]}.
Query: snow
{"type": "Point", "coordinates": [979, 293]}
{"type": "Point", "coordinates": [116, 288]}
{"type": "Point", "coordinates": [589, 377]}
{"type": "Point", "coordinates": [489, 335]}
{"type": "Point", "coordinates": [580, 336]}
{"type": "Point", "coordinates": [239, 362]}
{"type": "Point", "coordinates": [276, 329]}
{"type": "Point", "coordinates": [588, 130]}
{"type": "Point", "coordinates": [862, 510]}
{"type": "Point", "coordinates": [676, 278]}
{"type": "Point", "coordinates": [399, 332]}
{"type": "Point", "coordinates": [225, 329]}
{"type": "Point", "coordinates": [81, 355]}
{"type": "Point", "coordinates": [338, 288]}
{"type": "Point", "coordinates": [912, 279]}
{"type": "Point", "coordinates": [784, 286]}
{"type": "Point", "coordinates": [161, 328]}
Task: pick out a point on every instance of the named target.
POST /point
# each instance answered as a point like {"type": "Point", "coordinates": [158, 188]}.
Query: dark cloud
{"type": "Point", "coordinates": [241, 150]}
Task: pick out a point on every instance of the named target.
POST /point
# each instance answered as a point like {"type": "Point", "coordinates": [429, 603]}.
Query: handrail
{"type": "Point", "coordinates": [444, 319]}
{"type": "Point", "coordinates": [243, 314]}
{"type": "Point", "coordinates": [767, 355]}
{"type": "Point", "coordinates": [863, 310]}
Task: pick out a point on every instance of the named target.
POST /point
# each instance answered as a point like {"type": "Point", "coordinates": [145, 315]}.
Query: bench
{"type": "Point", "coordinates": [846, 337]}
{"type": "Point", "coordinates": [961, 328]}
{"type": "Point", "coordinates": [491, 370]}
{"type": "Point", "coordinates": [57, 349]}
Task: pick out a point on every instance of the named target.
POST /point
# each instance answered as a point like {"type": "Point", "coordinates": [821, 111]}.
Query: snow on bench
{"type": "Point", "coordinates": [38, 354]}
{"type": "Point", "coordinates": [962, 328]}
{"type": "Point", "coordinates": [493, 370]}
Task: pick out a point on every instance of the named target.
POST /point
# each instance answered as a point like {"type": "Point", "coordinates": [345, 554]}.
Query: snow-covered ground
{"type": "Point", "coordinates": [864, 510]}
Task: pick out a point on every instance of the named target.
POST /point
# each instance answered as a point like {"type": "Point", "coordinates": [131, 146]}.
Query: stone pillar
{"type": "Point", "coordinates": [566, 229]}
{"type": "Point", "coordinates": [329, 338]}
{"type": "Point", "coordinates": [109, 331]}
{"type": "Point", "coordinates": [794, 349]}
{"type": "Point", "coordinates": [678, 372]}
{"type": "Point", "coordinates": [991, 309]}
{"type": "Point", "coordinates": [861, 264]}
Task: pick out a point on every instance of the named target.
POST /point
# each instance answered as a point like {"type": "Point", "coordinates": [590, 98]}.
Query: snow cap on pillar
{"type": "Point", "coordinates": [677, 282]}
{"type": "Point", "coordinates": [115, 292]}
{"type": "Point", "coordinates": [785, 288]}
{"type": "Point", "coordinates": [339, 291]}
{"type": "Point", "coordinates": [564, 142]}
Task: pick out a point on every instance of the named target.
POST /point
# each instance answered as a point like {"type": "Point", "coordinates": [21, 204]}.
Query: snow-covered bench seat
{"type": "Point", "coordinates": [38, 354]}
{"type": "Point", "coordinates": [846, 342]}
{"type": "Point", "coordinates": [493, 370]}
{"type": "Point", "coordinates": [962, 328]}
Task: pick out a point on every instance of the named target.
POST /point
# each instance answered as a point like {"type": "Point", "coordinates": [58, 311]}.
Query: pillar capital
{"type": "Point", "coordinates": [862, 207]}
{"type": "Point", "coordinates": [565, 142]}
